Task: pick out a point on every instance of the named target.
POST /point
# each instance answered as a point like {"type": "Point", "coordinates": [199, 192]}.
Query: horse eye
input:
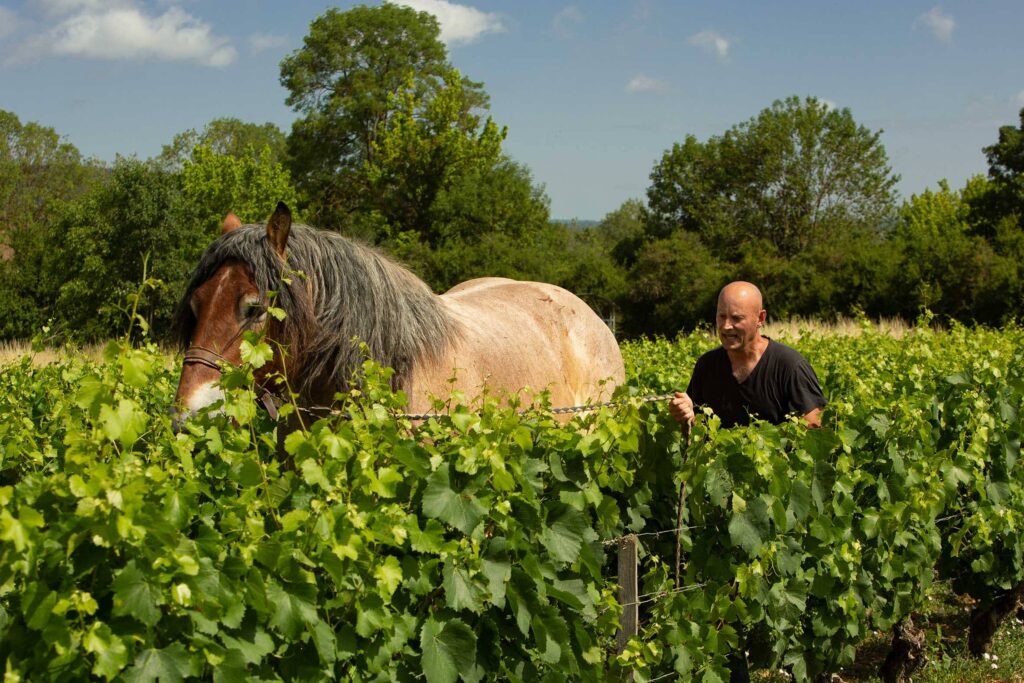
{"type": "Point", "coordinates": [255, 310]}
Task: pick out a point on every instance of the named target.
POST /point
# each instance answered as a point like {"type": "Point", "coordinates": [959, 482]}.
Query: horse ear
{"type": "Point", "coordinates": [231, 222]}
{"type": "Point", "coordinates": [278, 227]}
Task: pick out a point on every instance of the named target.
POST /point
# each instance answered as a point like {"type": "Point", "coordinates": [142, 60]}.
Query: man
{"type": "Point", "coordinates": [749, 375]}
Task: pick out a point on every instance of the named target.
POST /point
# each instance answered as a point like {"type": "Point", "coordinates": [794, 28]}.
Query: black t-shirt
{"type": "Point", "coordinates": [781, 384]}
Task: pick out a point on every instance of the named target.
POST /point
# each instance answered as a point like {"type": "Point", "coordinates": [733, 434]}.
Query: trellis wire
{"type": "Point", "coordinates": [562, 410]}
{"type": "Point", "coordinates": [658, 595]}
{"type": "Point", "coordinates": [619, 539]}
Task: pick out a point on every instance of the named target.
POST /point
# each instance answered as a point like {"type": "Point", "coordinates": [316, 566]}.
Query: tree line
{"type": "Point", "coordinates": [394, 146]}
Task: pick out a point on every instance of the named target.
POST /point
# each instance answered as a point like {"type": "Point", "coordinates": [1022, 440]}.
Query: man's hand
{"type": "Point", "coordinates": [681, 408]}
{"type": "Point", "coordinates": [813, 419]}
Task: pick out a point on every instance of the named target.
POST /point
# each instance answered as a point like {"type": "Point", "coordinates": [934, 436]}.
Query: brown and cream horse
{"type": "Point", "coordinates": [494, 334]}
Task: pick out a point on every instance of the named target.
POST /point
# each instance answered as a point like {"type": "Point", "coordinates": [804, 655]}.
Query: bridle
{"type": "Point", "coordinates": [200, 355]}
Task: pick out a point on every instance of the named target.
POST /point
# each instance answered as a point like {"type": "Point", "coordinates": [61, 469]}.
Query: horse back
{"type": "Point", "coordinates": [518, 337]}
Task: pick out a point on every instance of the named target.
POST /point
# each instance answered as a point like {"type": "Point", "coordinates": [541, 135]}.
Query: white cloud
{"type": "Point", "coordinates": [8, 22]}
{"type": "Point", "coordinates": [828, 104]}
{"type": "Point", "coordinates": [62, 8]}
{"type": "Point", "coordinates": [642, 83]}
{"type": "Point", "coordinates": [941, 25]}
{"type": "Point", "coordinates": [260, 42]}
{"type": "Point", "coordinates": [713, 42]}
{"type": "Point", "coordinates": [459, 23]}
{"type": "Point", "coordinates": [118, 29]}
{"type": "Point", "coordinates": [566, 20]}
{"type": "Point", "coordinates": [1019, 99]}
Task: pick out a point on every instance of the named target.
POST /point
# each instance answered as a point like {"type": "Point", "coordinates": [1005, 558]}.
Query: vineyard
{"type": "Point", "coordinates": [480, 545]}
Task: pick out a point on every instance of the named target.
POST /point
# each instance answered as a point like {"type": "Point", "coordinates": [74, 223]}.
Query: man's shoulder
{"type": "Point", "coordinates": [785, 354]}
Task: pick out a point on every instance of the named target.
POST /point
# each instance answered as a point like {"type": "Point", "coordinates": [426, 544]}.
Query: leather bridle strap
{"type": "Point", "coordinates": [203, 356]}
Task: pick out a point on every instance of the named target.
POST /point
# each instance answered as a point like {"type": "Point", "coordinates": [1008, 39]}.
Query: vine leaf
{"type": "Point", "coordinates": [749, 528]}
{"type": "Point", "coordinates": [293, 608]}
{"type": "Point", "coordinates": [448, 649]}
{"type": "Point", "coordinates": [459, 509]}
{"type": "Point", "coordinates": [135, 597]}
{"type": "Point", "coordinates": [563, 536]}
{"type": "Point", "coordinates": [169, 665]}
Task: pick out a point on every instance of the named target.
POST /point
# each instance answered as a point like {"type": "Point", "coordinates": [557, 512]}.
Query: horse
{"type": "Point", "coordinates": [490, 335]}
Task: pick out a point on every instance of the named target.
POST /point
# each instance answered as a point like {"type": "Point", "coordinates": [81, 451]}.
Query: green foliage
{"type": "Point", "coordinates": [343, 82]}
{"type": "Point", "coordinates": [804, 541]}
{"type": "Point", "coordinates": [474, 547]}
{"type": "Point", "coordinates": [796, 175]}
{"type": "Point", "coordinates": [249, 185]}
{"type": "Point", "coordinates": [80, 239]}
{"type": "Point", "coordinates": [946, 268]}
{"type": "Point", "coordinates": [424, 150]}
{"type": "Point", "coordinates": [798, 199]}
{"type": "Point", "coordinates": [673, 280]}
{"type": "Point", "coordinates": [38, 174]}
{"type": "Point", "coordinates": [1005, 198]}
{"type": "Point", "coordinates": [104, 239]}
{"type": "Point", "coordinates": [229, 137]}
{"type": "Point", "coordinates": [463, 549]}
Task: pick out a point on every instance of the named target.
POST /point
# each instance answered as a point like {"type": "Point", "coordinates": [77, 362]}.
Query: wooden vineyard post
{"type": "Point", "coordinates": [629, 622]}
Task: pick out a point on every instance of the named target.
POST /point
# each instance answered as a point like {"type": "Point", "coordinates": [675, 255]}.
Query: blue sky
{"type": "Point", "coordinates": [593, 93]}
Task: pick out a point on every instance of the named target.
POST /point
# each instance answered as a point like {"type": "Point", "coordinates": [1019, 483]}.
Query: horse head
{"type": "Point", "coordinates": [218, 308]}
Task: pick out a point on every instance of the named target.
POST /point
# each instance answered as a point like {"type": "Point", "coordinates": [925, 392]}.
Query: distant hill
{"type": "Point", "coordinates": [577, 222]}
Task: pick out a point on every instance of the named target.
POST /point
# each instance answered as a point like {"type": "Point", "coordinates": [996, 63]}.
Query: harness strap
{"type": "Point", "coordinates": [204, 356]}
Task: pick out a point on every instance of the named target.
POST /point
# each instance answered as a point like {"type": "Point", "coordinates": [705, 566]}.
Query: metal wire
{"type": "Point", "coordinates": [620, 539]}
{"type": "Point", "coordinates": [563, 410]}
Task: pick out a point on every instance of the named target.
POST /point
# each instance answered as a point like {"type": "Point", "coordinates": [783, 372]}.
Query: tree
{"type": "Point", "coordinates": [345, 83]}
{"type": "Point", "coordinates": [249, 185]}
{"type": "Point", "coordinates": [38, 173]}
{"type": "Point", "coordinates": [104, 240]}
{"type": "Point", "coordinates": [422, 151]}
{"type": "Point", "coordinates": [997, 205]}
{"type": "Point", "coordinates": [944, 267]}
{"type": "Point", "coordinates": [672, 285]}
{"type": "Point", "coordinates": [794, 176]}
{"type": "Point", "coordinates": [622, 231]}
{"type": "Point", "coordinates": [226, 136]}
{"type": "Point", "coordinates": [1006, 171]}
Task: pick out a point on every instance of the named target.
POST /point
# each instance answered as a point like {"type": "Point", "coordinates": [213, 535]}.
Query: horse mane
{"type": "Point", "coordinates": [333, 290]}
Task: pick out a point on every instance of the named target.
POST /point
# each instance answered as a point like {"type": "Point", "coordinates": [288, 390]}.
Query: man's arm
{"type": "Point", "coordinates": [681, 408]}
{"type": "Point", "coordinates": [813, 419]}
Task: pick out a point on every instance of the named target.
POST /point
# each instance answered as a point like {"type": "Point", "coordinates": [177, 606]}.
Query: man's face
{"type": "Point", "coordinates": [738, 321]}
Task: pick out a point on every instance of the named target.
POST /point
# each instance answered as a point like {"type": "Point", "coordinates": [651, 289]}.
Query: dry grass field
{"type": "Point", "coordinates": [794, 328]}
{"type": "Point", "coordinates": [791, 329]}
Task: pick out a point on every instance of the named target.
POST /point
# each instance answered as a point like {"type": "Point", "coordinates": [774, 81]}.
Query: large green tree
{"type": "Point", "coordinates": [135, 217]}
{"type": "Point", "coordinates": [795, 175]}
{"type": "Point", "coordinates": [249, 185]}
{"type": "Point", "coordinates": [39, 172]}
{"type": "Point", "coordinates": [227, 136]}
{"type": "Point", "coordinates": [427, 146]}
{"type": "Point", "coordinates": [345, 83]}
{"type": "Point", "coordinates": [1006, 173]}
{"type": "Point", "coordinates": [438, 175]}
{"type": "Point", "coordinates": [944, 267]}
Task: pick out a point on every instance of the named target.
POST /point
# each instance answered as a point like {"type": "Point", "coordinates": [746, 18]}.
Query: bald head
{"type": "Point", "coordinates": [743, 293]}
{"type": "Point", "coordinates": [740, 316]}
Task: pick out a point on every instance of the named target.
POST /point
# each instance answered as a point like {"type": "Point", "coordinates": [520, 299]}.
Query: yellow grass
{"type": "Point", "coordinates": [794, 328]}
{"type": "Point", "coordinates": [791, 329]}
{"type": "Point", "coordinates": [12, 352]}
